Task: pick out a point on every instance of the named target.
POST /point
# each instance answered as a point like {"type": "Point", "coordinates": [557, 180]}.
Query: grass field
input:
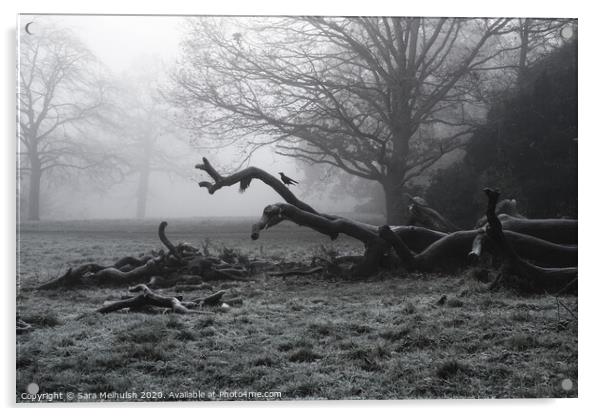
{"type": "Point", "coordinates": [304, 337]}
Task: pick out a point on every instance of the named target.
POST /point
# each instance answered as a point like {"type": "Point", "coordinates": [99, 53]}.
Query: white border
{"type": "Point", "coordinates": [590, 153]}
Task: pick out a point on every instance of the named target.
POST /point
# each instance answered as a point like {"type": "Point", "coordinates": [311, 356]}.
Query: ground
{"type": "Point", "coordinates": [304, 337]}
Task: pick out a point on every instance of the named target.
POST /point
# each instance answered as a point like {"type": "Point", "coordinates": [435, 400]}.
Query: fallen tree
{"type": "Point", "coordinates": [545, 242]}
{"type": "Point", "coordinates": [530, 277]}
{"type": "Point", "coordinates": [544, 248]}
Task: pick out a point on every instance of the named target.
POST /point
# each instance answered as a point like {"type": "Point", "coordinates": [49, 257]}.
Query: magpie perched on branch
{"type": "Point", "coordinates": [286, 180]}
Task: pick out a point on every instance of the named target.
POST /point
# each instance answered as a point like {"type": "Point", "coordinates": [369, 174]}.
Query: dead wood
{"type": "Point", "coordinates": [417, 238]}
{"type": "Point", "coordinates": [244, 178]}
{"type": "Point", "coordinates": [428, 217]}
{"type": "Point", "coordinates": [477, 246]}
{"type": "Point", "coordinates": [451, 250]}
{"type": "Point", "coordinates": [111, 275]}
{"type": "Point", "coordinates": [172, 249]}
{"type": "Point", "coordinates": [530, 276]}
{"type": "Point", "coordinates": [559, 231]}
{"type": "Point", "coordinates": [182, 263]}
{"type": "Point", "coordinates": [147, 297]}
{"type": "Point", "coordinates": [72, 276]}
{"type": "Point", "coordinates": [129, 261]}
{"type": "Point", "coordinates": [330, 226]}
{"type": "Point", "coordinates": [542, 242]}
{"type": "Point", "coordinates": [507, 207]}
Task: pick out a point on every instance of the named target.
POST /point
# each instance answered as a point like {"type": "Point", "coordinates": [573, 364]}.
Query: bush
{"type": "Point", "coordinates": [527, 148]}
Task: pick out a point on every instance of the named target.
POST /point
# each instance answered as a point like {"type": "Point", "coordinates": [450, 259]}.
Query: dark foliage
{"type": "Point", "coordinates": [528, 147]}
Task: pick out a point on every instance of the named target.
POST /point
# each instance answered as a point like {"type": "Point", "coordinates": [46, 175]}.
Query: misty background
{"type": "Point", "coordinates": [115, 111]}
{"type": "Point", "coordinates": [140, 51]}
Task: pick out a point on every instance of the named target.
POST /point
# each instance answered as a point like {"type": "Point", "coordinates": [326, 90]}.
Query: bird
{"type": "Point", "coordinates": [286, 180]}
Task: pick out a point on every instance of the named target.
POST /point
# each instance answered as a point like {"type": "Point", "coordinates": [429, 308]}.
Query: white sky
{"type": "Point", "coordinates": [119, 40]}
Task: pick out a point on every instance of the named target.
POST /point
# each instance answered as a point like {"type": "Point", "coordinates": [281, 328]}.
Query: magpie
{"type": "Point", "coordinates": [286, 180]}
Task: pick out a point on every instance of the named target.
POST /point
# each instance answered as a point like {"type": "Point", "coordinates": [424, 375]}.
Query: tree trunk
{"type": "Point", "coordinates": [142, 193]}
{"type": "Point", "coordinates": [396, 203]}
{"type": "Point", "coordinates": [524, 49]}
{"type": "Point", "coordinates": [35, 179]}
{"type": "Point", "coordinates": [394, 181]}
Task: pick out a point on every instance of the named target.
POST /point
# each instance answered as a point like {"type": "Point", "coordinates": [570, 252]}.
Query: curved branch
{"type": "Point", "coordinates": [244, 177]}
{"type": "Point", "coordinates": [172, 249]}
{"type": "Point", "coordinates": [452, 249]}
{"type": "Point", "coordinates": [560, 231]}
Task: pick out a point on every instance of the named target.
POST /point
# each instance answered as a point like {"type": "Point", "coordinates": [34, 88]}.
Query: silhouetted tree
{"type": "Point", "coordinates": [59, 93]}
{"type": "Point", "coordinates": [380, 98]}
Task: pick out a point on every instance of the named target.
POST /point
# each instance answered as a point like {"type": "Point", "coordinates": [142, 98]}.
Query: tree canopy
{"type": "Point", "coordinates": [383, 99]}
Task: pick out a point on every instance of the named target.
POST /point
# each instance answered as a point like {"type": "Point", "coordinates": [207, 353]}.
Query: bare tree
{"type": "Point", "coordinates": [380, 98]}
{"type": "Point", "coordinates": [59, 93]}
{"type": "Point", "coordinates": [149, 139]}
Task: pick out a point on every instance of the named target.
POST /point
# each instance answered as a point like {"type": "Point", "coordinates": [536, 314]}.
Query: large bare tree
{"type": "Point", "coordinates": [380, 98]}
{"type": "Point", "coordinates": [59, 93]}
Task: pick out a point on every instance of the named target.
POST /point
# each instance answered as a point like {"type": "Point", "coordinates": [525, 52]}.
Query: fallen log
{"type": "Point", "coordinates": [451, 250]}
{"type": "Point", "coordinates": [559, 231]}
{"type": "Point", "coordinates": [530, 276]}
{"type": "Point", "coordinates": [417, 238]}
{"type": "Point", "coordinates": [429, 248]}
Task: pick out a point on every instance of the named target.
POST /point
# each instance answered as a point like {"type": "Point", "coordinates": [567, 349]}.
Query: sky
{"type": "Point", "coordinates": [120, 42]}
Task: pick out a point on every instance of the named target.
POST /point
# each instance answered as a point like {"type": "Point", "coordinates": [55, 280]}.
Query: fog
{"type": "Point", "coordinates": [121, 44]}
